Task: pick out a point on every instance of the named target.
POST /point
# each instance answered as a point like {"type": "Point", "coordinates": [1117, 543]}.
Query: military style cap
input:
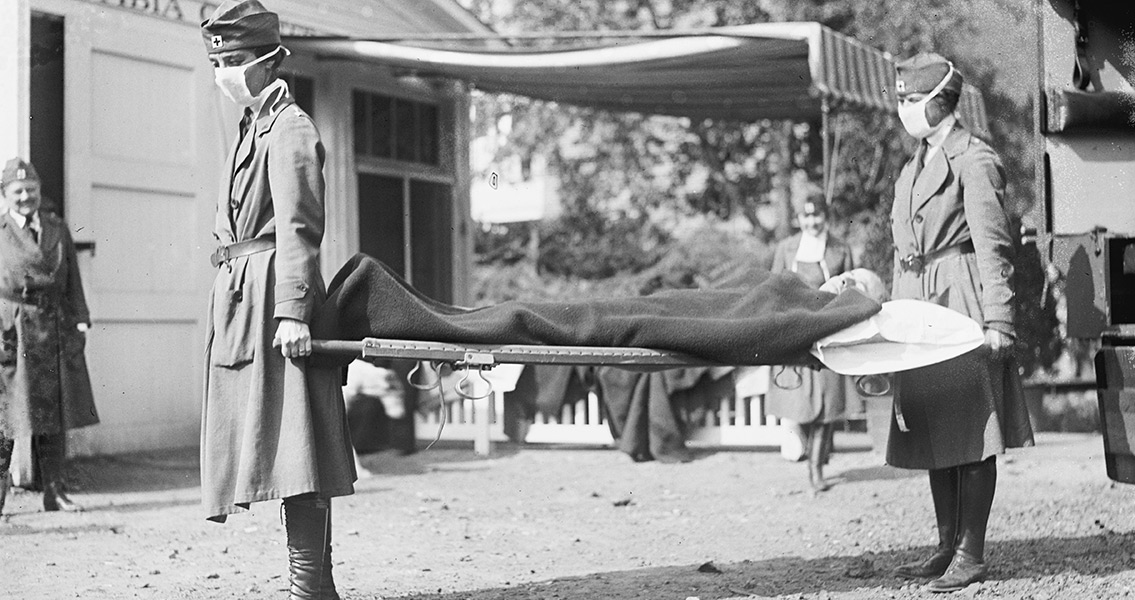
{"type": "Point", "coordinates": [921, 73]}
{"type": "Point", "coordinates": [17, 169]}
{"type": "Point", "coordinates": [240, 25]}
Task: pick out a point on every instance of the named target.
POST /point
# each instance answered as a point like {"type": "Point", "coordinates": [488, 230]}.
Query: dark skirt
{"type": "Point", "coordinates": [958, 412]}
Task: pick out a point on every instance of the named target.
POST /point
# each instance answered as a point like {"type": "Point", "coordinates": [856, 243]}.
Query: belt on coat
{"type": "Point", "coordinates": [40, 298]}
{"type": "Point", "coordinates": [224, 254]}
{"type": "Point", "coordinates": [916, 263]}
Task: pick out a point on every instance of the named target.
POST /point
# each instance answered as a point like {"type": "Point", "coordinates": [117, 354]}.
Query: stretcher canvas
{"type": "Point", "coordinates": [768, 319]}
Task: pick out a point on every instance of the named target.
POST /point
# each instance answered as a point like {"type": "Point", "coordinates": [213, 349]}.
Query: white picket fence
{"type": "Point", "coordinates": [738, 421]}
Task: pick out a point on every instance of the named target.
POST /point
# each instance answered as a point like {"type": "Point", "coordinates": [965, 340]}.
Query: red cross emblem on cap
{"type": "Point", "coordinates": [218, 41]}
{"type": "Point", "coordinates": [21, 173]}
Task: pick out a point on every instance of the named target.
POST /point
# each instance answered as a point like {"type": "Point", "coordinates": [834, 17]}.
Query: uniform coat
{"type": "Point", "coordinates": [271, 427]}
{"type": "Point", "coordinates": [44, 384]}
{"type": "Point", "coordinates": [970, 408]}
{"type": "Point", "coordinates": [801, 394]}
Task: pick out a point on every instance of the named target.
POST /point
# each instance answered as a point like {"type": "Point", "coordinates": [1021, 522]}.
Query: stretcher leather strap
{"type": "Point", "coordinates": [916, 263]}
{"type": "Point", "coordinates": [224, 254]}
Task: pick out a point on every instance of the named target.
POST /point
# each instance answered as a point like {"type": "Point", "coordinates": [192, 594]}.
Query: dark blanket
{"type": "Point", "coordinates": [774, 320]}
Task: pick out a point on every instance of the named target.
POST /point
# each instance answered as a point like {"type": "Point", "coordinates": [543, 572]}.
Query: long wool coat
{"type": "Point", "coordinates": [44, 384]}
{"type": "Point", "coordinates": [271, 427]}
{"type": "Point", "coordinates": [970, 408]}
{"type": "Point", "coordinates": [801, 394]}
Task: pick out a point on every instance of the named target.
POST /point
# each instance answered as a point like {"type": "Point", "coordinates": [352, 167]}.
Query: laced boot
{"type": "Point", "coordinates": [6, 446]}
{"type": "Point", "coordinates": [5, 483]}
{"type": "Point", "coordinates": [944, 491]}
{"type": "Point", "coordinates": [55, 499]}
{"type": "Point", "coordinates": [308, 523]}
{"type": "Point", "coordinates": [977, 483]}
{"type": "Point", "coordinates": [51, 458]}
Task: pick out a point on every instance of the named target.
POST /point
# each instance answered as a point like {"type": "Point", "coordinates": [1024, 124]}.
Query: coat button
{"type": "Point", "coordinates": [917, 218]}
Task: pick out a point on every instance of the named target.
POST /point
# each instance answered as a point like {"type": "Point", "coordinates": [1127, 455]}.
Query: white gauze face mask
{"type": "Point", "coordinates": [233, 82]}
{"type": "Point", "coordinates": [913, 114]}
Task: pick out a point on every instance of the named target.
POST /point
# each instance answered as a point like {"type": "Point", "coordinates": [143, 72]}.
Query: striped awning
{"type": "Point", "coordinates": [748, 73]}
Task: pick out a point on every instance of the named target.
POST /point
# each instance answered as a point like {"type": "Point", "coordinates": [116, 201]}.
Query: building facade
{"type": "Point", "coordinates": [114, 102]}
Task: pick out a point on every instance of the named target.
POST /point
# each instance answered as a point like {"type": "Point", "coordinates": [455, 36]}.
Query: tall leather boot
{"type": "Point", "coordinates": [944, 486]}
{"type": "Point", "coordinates": [5, 483]}
{"type": "Point", "coordinates": [978, 483]}
{"type": "Point", "coordinates": [308, 523]}
{"type": "Point", "coordinates": [52, 451]}
{"type": "Point", "coordinates": [6, 446]}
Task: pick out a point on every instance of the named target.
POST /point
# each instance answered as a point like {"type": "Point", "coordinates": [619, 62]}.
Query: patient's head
{"type": "Point", "coordinates": [865, 281]}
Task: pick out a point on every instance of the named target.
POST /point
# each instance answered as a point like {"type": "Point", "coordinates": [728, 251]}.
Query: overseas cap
{"type": "Point", "coordinates": [240, 25]}
{"type": "Point", "coordinates": [921, 73]}
{"type": "Point", "coordinates": [17, 169]}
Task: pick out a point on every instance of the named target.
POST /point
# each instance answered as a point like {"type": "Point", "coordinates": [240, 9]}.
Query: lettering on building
{"type": "Point", "coordinates": [188, 11]}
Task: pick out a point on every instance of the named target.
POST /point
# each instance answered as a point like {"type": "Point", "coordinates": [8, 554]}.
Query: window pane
{"type": "Point", "coordinates": [428, 134]}
{"type": "Point", "coordinates": [361, 111]}
{"type": "Point", "coordinates": [381, 231]}
{"type": "Point", "coordinates": [381, 125]}
{"type": "Point", "coordinates": [431, 239]}
{"type": "Point", "coordinates": [404, 130]}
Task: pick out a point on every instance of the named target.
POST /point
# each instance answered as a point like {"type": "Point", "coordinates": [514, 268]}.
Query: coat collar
{"type": "Point", "coordinates": [957, 141]}
{"type": "Point", "coordinates": [276, 98]}
{"type": "Point", "coordinates": [935, 172]}
{"type": "Point", "coordinates": [50, 229]}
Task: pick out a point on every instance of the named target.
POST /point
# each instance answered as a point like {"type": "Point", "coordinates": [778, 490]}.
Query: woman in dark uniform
{"type": "Point", "coordinates": [273, 425]}
{"type": "Point", "coordinates": [810, 401]}
{"type": "Point", "coordinates": [953, 247]}
{"type": "Point", "coordinates": [44, 386]}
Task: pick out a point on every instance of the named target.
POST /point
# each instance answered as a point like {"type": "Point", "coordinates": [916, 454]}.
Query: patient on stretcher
{"type": "Point", "coordinates": [768, 319]}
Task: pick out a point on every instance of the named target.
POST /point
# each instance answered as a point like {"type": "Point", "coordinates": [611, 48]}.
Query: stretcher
{"type": "Point", "coordinates": [905, 334]}
{"type": "Point", "coordinates": [480, 358]}
{"type": "Point", "coordinates": [483, 356]}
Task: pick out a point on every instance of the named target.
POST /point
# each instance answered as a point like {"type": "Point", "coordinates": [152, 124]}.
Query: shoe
{"type": "Point", "coordinates": [934, 566]}
{"type": "Point", "coordinates": [54, 499]}
{"type": "Point", "coordinates": [963, 571]}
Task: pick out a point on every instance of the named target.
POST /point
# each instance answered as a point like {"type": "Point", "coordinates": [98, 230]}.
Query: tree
{"type": "Point", "coordinates": [639, 176]}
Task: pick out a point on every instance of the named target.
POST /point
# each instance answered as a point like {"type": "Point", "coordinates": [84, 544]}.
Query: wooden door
{"type": "Point", "coordinates": [144, 151]}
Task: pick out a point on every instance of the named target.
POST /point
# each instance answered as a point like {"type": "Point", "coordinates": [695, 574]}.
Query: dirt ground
{"type": "Point", "coordinates": [571, 523]}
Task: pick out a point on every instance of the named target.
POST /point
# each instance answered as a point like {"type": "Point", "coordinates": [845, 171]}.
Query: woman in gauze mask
{"type": "Point", "coordinates": [953, 246]}
{"type": "Point", "coordinates": [273, 426]}
{"type": "Point", "coordinates": [809, 402]}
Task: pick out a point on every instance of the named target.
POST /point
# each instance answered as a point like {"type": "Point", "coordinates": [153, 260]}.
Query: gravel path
{"type": "Point", "coordinates": [559, 523]}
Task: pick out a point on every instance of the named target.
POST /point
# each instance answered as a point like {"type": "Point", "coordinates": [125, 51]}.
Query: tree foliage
{"type": "Point", "coordinates": [628, 181]}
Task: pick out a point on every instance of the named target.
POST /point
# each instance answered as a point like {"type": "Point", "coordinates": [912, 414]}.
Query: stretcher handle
{"type": "Point", "coordinates": [460, 387]}
{"type": "Point", "coordinates": [425, 387]}
{"type": "Point", "coordinates": [782, 369]}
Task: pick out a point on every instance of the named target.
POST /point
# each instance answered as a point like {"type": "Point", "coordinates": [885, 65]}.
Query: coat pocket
{"type": "Point", "coordinates": [234, 325]}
